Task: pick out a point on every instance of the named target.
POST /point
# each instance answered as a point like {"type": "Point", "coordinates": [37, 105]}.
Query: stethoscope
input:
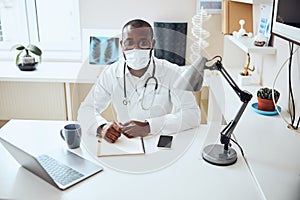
{"type": "Point", "coordinates": [126, 101]}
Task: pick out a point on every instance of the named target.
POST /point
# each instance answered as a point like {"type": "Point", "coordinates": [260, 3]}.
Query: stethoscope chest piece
{"type": "Point", "coordinates": [125, 101]}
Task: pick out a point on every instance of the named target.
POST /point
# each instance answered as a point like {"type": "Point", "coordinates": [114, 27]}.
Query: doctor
{"type": "Point", "coordinates": [139, 86]}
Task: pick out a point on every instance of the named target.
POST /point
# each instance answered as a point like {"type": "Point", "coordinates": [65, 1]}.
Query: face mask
{"type": "Point", "coordinates": [137, 58]}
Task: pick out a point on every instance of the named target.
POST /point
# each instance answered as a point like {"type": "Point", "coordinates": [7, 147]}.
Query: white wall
{"type": "Point", "coordinates": [272, 65]}
{"type": "Point", "coordinates": [113, 14]}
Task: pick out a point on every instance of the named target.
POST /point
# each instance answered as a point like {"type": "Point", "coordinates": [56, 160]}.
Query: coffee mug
{"type": "Point", "coordinates": [71, 133]}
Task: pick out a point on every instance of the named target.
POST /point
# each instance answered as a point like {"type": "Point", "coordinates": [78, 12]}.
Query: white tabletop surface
{"type": "Point", "coordinates": [271, 149]}
{"type": "Point", "coordinates": [51, 72]}
{"type": "Point", "coordinates": [273, 153]}
{"type": "Point", "coordinates": [187, 176]}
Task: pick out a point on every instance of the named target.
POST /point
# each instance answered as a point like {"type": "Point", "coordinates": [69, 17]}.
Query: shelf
{"type": "Point", "coordinates": [255, 1]}
{"type": "Point", "coordinates": [246, 44]}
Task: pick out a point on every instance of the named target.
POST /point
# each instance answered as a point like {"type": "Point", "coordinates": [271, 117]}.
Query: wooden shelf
{"type": "Point", "coordinates": [246, 44]}
{"type": "Point", "coordinates": [255, 1]}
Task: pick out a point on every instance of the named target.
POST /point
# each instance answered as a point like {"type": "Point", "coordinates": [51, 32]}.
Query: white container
{"type": "Point", "coordinates": [246, 80]}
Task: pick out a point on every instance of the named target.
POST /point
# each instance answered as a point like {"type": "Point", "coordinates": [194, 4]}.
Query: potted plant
{"type": "Point", "coordinates": [265, 101]}
{"type": "Point", "coordinates": [25, 59]}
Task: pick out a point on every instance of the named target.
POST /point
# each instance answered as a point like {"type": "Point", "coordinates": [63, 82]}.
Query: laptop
{"type": "Point", "coordinates": [61, 168]}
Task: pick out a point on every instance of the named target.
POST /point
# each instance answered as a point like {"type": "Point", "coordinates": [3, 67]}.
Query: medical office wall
{"type": "Point", "coordinates": [113, 14]}
{"type": "Point", "coordinates": [101, 14]}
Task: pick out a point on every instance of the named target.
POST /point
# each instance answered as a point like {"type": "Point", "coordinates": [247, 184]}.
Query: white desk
{"type": "Point", "coordinates": [273, 153]}
{"type": "Point", "coordinates": [271, 149]}
{"type": "Point", "coordinates": [187, 177]}
{"type": "Point", "coordinates": [64, 73]}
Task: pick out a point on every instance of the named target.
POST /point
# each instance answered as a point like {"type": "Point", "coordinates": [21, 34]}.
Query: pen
{"type": "Point", "coordinates": [128, 126]}
{"type": "Point", "coordinates": [117, 123]}
{"type": "Point", "coordinates": [142, 139]}
{"type": "Point", "coordinates": [121, 126]}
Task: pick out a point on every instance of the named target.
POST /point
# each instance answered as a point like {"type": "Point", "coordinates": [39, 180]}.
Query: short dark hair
{"type": "Point", "coordinates": [138, 23]}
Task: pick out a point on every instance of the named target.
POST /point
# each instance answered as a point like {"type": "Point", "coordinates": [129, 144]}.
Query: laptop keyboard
{"type": "Point", "coordinates": [58, 171]}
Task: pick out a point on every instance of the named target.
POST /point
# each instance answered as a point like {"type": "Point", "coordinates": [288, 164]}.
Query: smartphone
{"type": "Point", "coordinates": [165, 141]}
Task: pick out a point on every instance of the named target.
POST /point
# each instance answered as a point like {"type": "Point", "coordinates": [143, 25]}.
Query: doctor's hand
{"type": "Point", "coordinates": [134, 128]}
{"type": "Point", "coordinates": [110, 132]}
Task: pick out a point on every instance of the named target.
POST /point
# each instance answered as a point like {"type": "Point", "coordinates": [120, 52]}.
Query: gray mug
{"type": "Point", "coordinates": [71, 133]}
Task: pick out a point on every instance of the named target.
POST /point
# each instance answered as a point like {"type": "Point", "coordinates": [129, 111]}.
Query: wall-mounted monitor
{"type": "Point", "coordinates": [286, 20]}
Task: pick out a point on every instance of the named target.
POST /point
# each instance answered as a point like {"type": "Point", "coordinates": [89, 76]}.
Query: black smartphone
{"type": "Point", "coordinates": [165, 141]}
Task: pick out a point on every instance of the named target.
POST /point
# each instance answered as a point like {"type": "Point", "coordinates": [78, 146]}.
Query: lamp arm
{"type": "Point", "coordinates": [218, 66]}
{"type": "Point", "coordinates": [244, 96]}
{"type": "Point", "coordinates": [228, 130]}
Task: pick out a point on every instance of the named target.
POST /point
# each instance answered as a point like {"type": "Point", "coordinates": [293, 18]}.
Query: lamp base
{"type": "Point", "coordinates": [216, 155]}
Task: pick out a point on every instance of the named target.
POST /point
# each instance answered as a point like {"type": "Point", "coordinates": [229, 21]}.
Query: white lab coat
{"type": "Point", "coordinates": [172, 110]}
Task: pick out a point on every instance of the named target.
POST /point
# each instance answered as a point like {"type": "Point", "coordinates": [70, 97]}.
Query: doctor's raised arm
{"type": "Point", "coordinates": [140, 88]}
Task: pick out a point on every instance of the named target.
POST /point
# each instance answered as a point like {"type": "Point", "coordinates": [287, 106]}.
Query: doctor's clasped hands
{"type": "Point", "coordinates": [112, 131]}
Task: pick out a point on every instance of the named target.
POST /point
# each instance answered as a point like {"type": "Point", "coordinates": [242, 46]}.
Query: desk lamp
{"type": "Point", "coordinates": [191, 80]}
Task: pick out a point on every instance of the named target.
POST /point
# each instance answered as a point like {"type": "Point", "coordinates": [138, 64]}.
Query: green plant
{"type": "Point", "coordinates": [30, 48]}
{"type": "Point", "coordinates": [266, 93]}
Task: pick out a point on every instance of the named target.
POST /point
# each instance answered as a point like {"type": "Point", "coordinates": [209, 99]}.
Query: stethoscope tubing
{"type": "Point", "coordinates": [125, 100]}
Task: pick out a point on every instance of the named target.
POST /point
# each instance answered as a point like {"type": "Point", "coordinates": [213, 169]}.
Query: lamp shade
{"type": "Point", "coordinates": [192, 77]}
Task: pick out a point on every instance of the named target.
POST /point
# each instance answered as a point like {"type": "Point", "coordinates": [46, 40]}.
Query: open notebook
{"type": "Point", "coordinates": [123, 146]}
